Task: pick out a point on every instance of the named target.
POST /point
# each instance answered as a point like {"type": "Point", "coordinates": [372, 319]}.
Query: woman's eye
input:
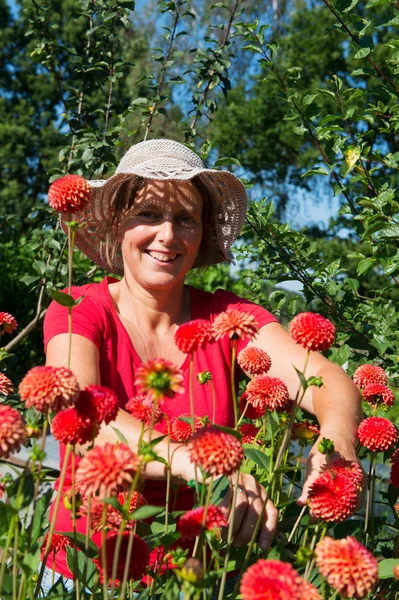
{"type": "Point", "coordinates": [186, 220]}
{"type": "Point", "coordinates": [147, 214]}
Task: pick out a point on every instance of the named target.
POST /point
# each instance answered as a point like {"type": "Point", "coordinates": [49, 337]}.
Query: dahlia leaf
{"type": "Point", "coordinates": [38, 520]}
{"type": "Point", "coordinates": [20, 498]}
{"type": "Point", "coordinates": [257, 456]}
{"type": "Point", "coordinates": [146, 512]}
{"type": "Point", "coordinates": [64, 299]}
{"type": "Point", "coordinates": [79, 540]}
{"type": "Point", "coordinates": [386, 567]}
{"type": "Point", "coordinates": [229, 430]}
{"type": "Point", "coordinates": [120, 436]}
{"type": "Point", "coordinates": [220, 488]}
{"type": "Point", "coordinates": [302, 378]}
{"type": "Point", "coordinates": [86, 570]}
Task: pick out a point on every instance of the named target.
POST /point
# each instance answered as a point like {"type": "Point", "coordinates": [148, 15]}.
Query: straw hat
{"type": "Point", "coordinates": [158, 159]}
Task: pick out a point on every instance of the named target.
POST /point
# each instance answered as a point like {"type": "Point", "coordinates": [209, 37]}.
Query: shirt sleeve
{"type": "Point", "coordinates": [228, 300]}
{"type": "Point", "coordinates": [87, 319]}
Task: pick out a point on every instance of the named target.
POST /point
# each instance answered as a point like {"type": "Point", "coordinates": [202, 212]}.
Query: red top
{"type": "Point", "coordinates": [96, 319]}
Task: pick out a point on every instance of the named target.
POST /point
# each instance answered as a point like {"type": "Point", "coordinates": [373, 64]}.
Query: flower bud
{"type": "Point", "coordinates": [204, 377]}
{"type": "Point", "coordinates": [326, 447]}
{"type": "Point", "coordinates": [32, 431]}
{"type": "Point", "coordinates": [192, 571]}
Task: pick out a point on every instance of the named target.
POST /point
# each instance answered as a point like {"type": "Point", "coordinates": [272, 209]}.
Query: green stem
{"type": "Point", "coordinates": [104, 552]}
{"type": "Point", "coordinates": [366, 518]}
{"type": "Point", "coordinates": [373, 501]}
{"type": "Point", "coordinates": [39, 470]}
{"type": "Point", "coordinates": [233, 384]}
{"type": "Point", "coordinates": [296, 524]}
{"type": "Point", "coordinates": [229, 538]}
{"type": "Point", "coordinates": [213, 402]}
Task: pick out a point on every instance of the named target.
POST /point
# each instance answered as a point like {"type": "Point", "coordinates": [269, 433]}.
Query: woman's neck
{"type": "Point", "coordinates": [154, 310]}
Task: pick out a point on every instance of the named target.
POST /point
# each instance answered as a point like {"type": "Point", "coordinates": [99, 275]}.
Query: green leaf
{"type": "Point", "coordinates": [317, 171]}
{"type": "Point", "coordinates": [120, 435]}
{"type": "Point", "coordinates": [386, 567]}
{"type": "Point", "coordinates": [79, 540]}
{"type": "Point", "coordinates": [21, 490]}
{"type": "Point", "coordinates": [6, 513]}
{"type": "Point", "coordinates": [39, 522]}
{"type": "Point", "coordinates": [302, 378]}
{"type": "Point", "coordinates": [257, 456]}
{"type": "Point", "coordinates": [391, 232]}
{"type": "Point", "coordinates": [28, 279]}
{"type": "Point", "coordinates": [365, 265]}
{"type": "Point", "coordinates": [220, 488]}
{"type": "Point", "coordinates": [146, 512]}
{"type": "Point", "coordinates": [227, 161]}
{"type": "Point", "coordinates": [229, 430]}
{"type": "Point", "coordinates": [86, 569]}
{"type": "Point", "coordinates": [63, 299]}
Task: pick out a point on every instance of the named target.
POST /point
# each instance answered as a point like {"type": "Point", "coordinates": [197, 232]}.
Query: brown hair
{"type": "Point", "coordinates": [123, 200]}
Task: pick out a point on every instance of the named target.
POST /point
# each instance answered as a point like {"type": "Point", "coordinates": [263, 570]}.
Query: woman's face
{"type": "Point", "coordinates": [162, 233]}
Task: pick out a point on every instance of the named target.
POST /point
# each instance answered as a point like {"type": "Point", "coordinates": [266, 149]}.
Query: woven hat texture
{"type": "Point", "coordinates": [158, 159]}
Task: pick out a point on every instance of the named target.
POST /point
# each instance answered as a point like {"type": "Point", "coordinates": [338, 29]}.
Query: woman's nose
{"type": "Point", "coordinates": [166, 231]}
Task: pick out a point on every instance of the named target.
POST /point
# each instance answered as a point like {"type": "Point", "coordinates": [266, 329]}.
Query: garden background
{"type": "Point", "coordinates": [300, 99]}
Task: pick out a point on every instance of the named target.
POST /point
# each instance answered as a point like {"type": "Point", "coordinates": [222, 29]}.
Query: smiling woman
{"type": "Point", "coordinates": [161, 214]}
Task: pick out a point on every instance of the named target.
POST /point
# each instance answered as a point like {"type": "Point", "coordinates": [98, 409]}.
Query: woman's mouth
{"type": "Point", "coordinates": [163, 257]}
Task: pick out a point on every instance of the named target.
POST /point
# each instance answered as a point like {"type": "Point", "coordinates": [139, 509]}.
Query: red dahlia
{"type": "Point", "coordinates": [69, 426]}
{"type": "Point", "coordinates": [191, 522]}
{"type": "Point", "coordinates": [254, 361]}
{"type": "Point", "coordinates": [159, 378]}
{"type": "Point", "coordinates": [215, 451]}
{"type": "Point", "coordinates": [347, 566]}
{"type": "Point", "coordinates": [249, 433]}
{"type": "Point", "coordinates": [136, 500]}
{"type": "Point", "coordinates": [348, 468]}
{"type": "Point", "coordinates": [251, 412]}
{"type": "Point", "coordinates": [235, 324]}
{"type": "Point", "coordinates": [267, 393]}
{"type": "Point", "coordinates": [12, 430]}
{"type": "Point", "coordinates": [7, 323]}
{"type": "Point", "coordinates": [271, 580]}
{"type": "Point", "coordinates": [180, 430]}
{"type": "Point", "coordinates": [366, 374]}
{"type": "Point", "coordinates": [100, 400]}
{"type": "Point", "coordinates": [95, 508]}
{"type": "Point", "coordinates": [312, 331]}
{"type": "Point", "coordinates": [69, 194]}
{"type": "Point", "coordinates": [58, 543]}
{"type": "Point", "coordinates": [49, 389]}
{"type": "Point", "coordinates": [395, 469]}
{"type": "Point", "coordinates": [193, 335]}
{"type": "Point", "coordinates": [6, 386]}
{"type": "Point", "coordinates": [377, 393]}
{"type": "Point", "coordinates": [377, 434]}
{"type": "Point", "coordinates": [142, 408]}
{"type": "Point", "coordinates": [106, 470]}
{"type": "Point", "coordinates": [332, 497]}
{"type": "Point", "coordinates": [139, 560]}
{"type": "Point", "coordinates": [305, 432]}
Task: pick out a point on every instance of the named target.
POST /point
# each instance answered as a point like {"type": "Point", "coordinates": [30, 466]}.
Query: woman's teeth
{"type": "Point", "coordinates": [162, 257]}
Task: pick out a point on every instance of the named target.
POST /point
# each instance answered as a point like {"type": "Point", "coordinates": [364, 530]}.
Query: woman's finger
{"type": "Point", "coordinates": [250, 519]}
{"type": "Point", "coordinates": [240, 507]}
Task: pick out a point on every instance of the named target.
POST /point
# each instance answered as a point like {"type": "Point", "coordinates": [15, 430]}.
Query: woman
{"type": "Point", "coordinates": [160, 215]}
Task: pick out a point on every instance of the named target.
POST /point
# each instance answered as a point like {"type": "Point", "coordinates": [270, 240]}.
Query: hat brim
{"type": "Point", "coordinates": [225, 190]}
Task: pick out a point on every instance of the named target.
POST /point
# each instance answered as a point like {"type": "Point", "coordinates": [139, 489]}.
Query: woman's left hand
{"type": "Point", "coordinates": [317, 460]}
{"type": "Point", "coordinates": [251, 497]}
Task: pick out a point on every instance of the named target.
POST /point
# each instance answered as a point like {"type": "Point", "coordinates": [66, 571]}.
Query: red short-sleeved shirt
{"type": "Point", "coordinates": [96, 319]}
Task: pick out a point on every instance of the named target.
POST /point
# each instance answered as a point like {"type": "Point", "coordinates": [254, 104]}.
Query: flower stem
{"type": "Point", "coordinates": [297, 522]}
{"type": "Point", "coordinates": [229, 538]}
{"type": "Point", "coordinates": [233, 383]}
{"type": "Point", "coordinates": [366, 518]}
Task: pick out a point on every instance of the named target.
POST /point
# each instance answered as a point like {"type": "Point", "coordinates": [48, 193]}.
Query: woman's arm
{"type": "Point", "coordinates": [336, 404]}
{"type": "Point", "coordinates": [85, 366]}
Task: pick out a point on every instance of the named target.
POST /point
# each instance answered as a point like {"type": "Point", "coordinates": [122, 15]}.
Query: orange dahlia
{"type": "Point", "coordinates": [100, 400]}
{"type": "Point", "coordinates": [106, 470]}
{"type": "Point", "coordinates": [7, 323]}
{"type": "Point", "coordinates": [377, 434]}
{"type": "Point", "coordinates": [350, 469]}
{"type": "Point", "coordinates": [347, 566]}
{"type": "Point", "coordinates": [6, 386]}
{"type": "Point", "coordinates": [12, 430]}
{"type": "Point", "coordinates": [58, 543]}
{"type": "Point", "coordinates": [159, 378]}
{"type": "Point", "coordinates": [312, 331]}
{"type": "Point", "coordinates": [69, 194]}
{"type": "Point", "coordinates": [271, 580]}
{"type": "Point", "coordinates": [305, 432]}
{"type": "Point", "coordinates": [139, 560]}
{"type": "Point", "coordinates": [142, 408]}
{"type": "Point", "coordinates": [215, 451]}
{"type": "Point", "coordinates": [235, 324]}
{"type": "Point", "coordinates": [69, 426]}
{"type": "Point", "coordinates": [180, 430]}
{"type": "Point", "coordinates": [193, 335]}
{"type": "Point", "coordinates": [332, 497]}
{"type": "Point", "coordinates": [309, 592]}
{"type": "Point", "coordinates": [267, 393]}
{"type": "Point", "coordinates": [49, 389]}
{"type": "Point", "coordinates": [249, 433]}
{"type": "Point", "coordinates": [191, 522]}
{"type": "Point", "coordinates": [366, 374]}
{"type": "Point", "coordinates": [254, 361]}
{"type": "Point", "coordinates": [377, 393]}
